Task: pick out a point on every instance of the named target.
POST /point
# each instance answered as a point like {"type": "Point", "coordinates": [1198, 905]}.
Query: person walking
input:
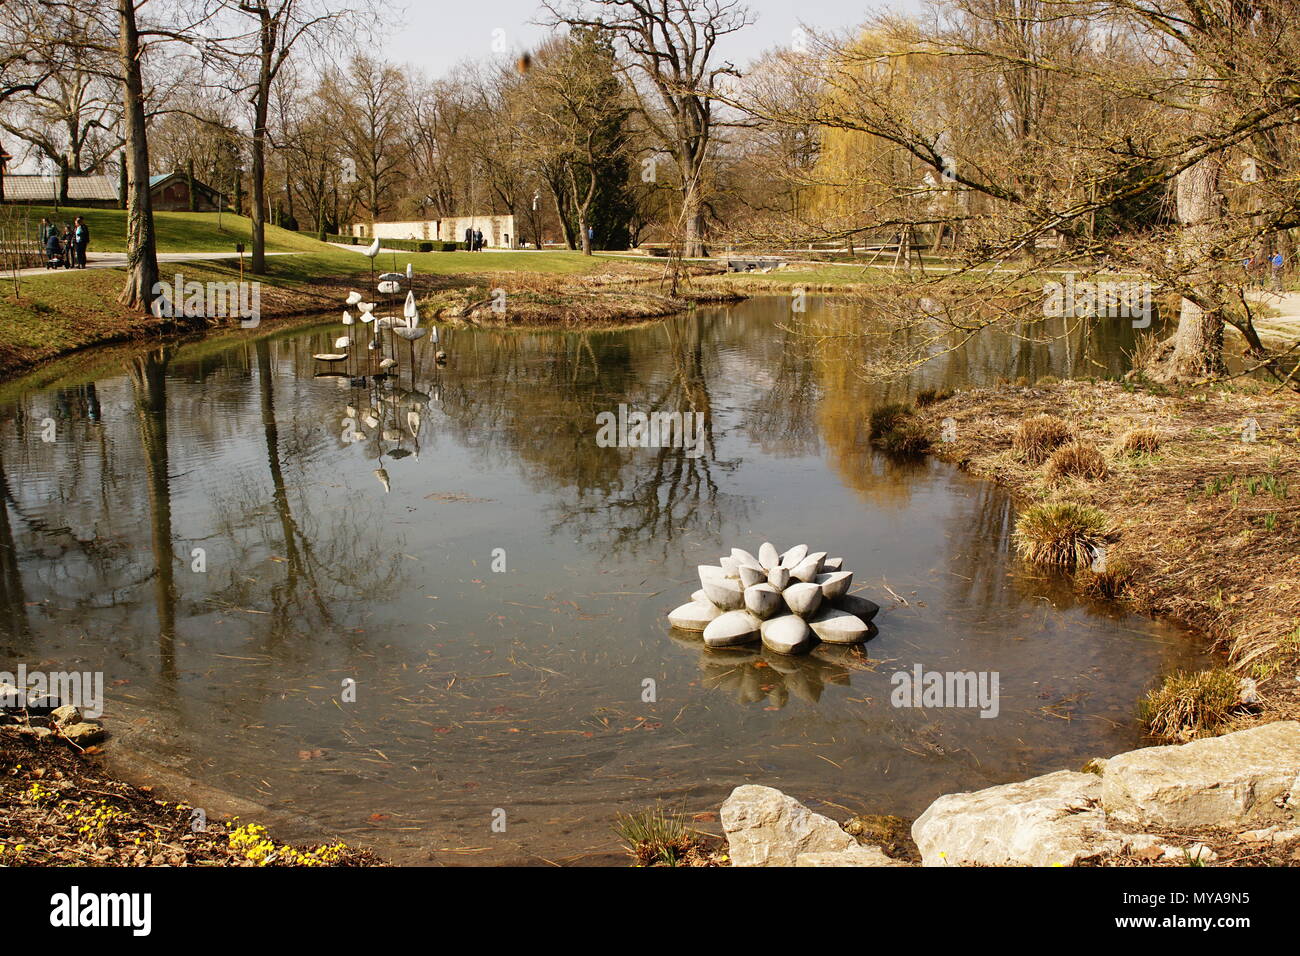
{"type": "Point", "coordinates": [478, 240]}
{"type": "Point", "coordinates": [47, 229]}
{"type": "Point", "coordinates": [69, 248]}
{"type": "Point", "coordinates": [469, 238]}
{"type": "Point", "coordinates": [82, 239]}
{"type": "Point", "coordinates": [1275, 262]}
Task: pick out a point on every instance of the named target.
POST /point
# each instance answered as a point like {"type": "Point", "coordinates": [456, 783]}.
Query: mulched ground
{"type": "Point", "coordinates": [58, 808]}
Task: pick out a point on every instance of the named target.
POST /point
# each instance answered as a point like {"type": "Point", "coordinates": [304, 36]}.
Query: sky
{"type": "Point", "coordinates": [435, 35]}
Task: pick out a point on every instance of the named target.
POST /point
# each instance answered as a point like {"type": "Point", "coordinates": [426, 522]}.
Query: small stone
{"type": "Point", "coordinates": [751, 576]}
{"type": "Point", "coordinates": [834, 585]}
{"type": "Point", "coordinates": [779, 577]}
{"type": "Point", "coordinates": [694, 616]}
{"type": "Point", "coordinates": [858, 606]}
{"type": "Point", "coordinates": [803, 599]}
{"type": "Point", "coordinates": [767, 556]}
{"type": "Point", "coordinates": [734, 627]}
{"type": "Point", "coordinates": [67, 714]}
{"type": "Point", "coordinates": [839, 627]}
{"type": "Point", "coordinates": [1247, 691]}
{"type": "Point", "coordinates": [83, 734]}
{"type": "Point", "coordinates": [762, 600]}
{"type": "Point", "coordinates": [794, 555]}
{"type": "Point", "coordinates": [1197, 853]}
{"type": "Point", "coordinates": [787, 634]}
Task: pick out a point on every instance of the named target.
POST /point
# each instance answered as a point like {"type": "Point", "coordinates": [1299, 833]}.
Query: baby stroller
{"type": "Point", "coordinates": [54, 253]}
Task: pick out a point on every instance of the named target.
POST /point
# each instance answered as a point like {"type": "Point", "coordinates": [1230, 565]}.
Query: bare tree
{"type": "Point", "coordinates": [669, 48]}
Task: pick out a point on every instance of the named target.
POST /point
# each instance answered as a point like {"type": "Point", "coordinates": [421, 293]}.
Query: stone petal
{"type": "Point", "coordinates": [839, 627]}
{"type": "Point", "coordinates": [734, 627]}
{"type": "Point", "coordinates": [725, 593]}
{"type": "Point", "coordinates": [729, 565]}
{"type": "Point", "coordinates": [857, 605]}
{"type": "Point", "coordinates": [694, 616]}
{"type": "Point", "coordinates": [794, 555]}
{"type": "Point", "coordinates": [803, 599]}
{"type": "Point", "coordinates": [834, 585]}
{"type": "Point", "coordinates": [767, 556]}
{"type": "Point", "coordinates": [779, 577]}
{"type": "Point", "coordinates": [809, 567]}
{"type": "Point", "coordinates": [699, 595]}
{"type": "Point", "coordinates": [763, 600]}
{"type": "Point", "coordinates": [832, 564]}
{"type": "Point", "coordinates": [787, 634]}
{"type": "Point", "coordinates": [751, 576]}
{"type": "Point", "coordinates": [743, 557]}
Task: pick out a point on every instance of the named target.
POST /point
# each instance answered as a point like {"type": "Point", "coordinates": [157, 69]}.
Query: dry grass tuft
{"type": "Point", "coordinates": [895, 428]}
{"type": "Point", "coordinates": [1064, 534]}
{"type": "Point", "coordinates": [1077, 459]}
{"type": "Point", "coordinates": [1139, 441]}
{"type": "Point", "coordinates": [931, 396]}
{"type": "Point", "coordinates": [1039, 436]}
{"type": "Point", "coordinates": [1187, 706]}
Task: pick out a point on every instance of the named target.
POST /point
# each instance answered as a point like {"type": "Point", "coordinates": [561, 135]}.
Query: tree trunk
{"type": "Point", "coordinates": [260, 109]}
{"type": "Point", "coordinates": [693, 221]}
{"type": "Point", "coordinates": [1195, 351]}
{"type": "Point", "coordinates": [142, 251]}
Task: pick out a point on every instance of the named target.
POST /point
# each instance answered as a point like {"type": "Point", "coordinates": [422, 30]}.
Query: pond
{"type": "Point", "coordinates": [211, 530]}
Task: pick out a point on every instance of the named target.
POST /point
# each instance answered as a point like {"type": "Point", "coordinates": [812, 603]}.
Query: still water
{"type": "Point", "coordinates": [205, 529]}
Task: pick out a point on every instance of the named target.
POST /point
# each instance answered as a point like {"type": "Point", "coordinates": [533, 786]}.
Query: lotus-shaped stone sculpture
{"type": "Point", "coordinates": [789, 601]}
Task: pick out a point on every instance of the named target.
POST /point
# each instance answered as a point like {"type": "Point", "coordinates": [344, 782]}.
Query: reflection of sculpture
{"type": "Point", "coordinates": [379, 410]}
{"type": "Point", "coordinates": [752, 674]}
{"type": "Point", "coordinates": [790, 601]}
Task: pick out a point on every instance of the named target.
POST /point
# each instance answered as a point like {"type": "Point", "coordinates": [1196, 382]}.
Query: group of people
{"type": "Point", "coordinates": [1258, 269]}
{"type": "Point", "coordinates": [474, 240]}
{"type": "Point", "coordinates": [65, 249]}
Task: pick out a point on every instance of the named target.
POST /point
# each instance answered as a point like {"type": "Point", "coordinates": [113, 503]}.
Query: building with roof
{"type": "Point", "coordinates": [170, 192]}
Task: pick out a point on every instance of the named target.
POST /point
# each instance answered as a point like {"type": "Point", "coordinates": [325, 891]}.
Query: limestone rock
{"type": "Point", "coordinates": [1053, 820]}
{"type": "Point", "coordinates": [67, 714]}
{"type": "Point", "coordinates": [765, 827]}
{"type": "Point", "coordinates": [853, 856]}
{"type": "Point", "coordinates": [787, 634]}
{"type": "Point", "coordinates": [1243, 778]}
{"type": "Point", "coordinates": [694, 616]}
{"type": "Point", "coordinates": [734, 627]}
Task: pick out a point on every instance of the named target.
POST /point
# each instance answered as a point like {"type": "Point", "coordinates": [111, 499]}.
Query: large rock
{"type": "Point", "coordinates": [853, 856]}
{"type": "Point", "coordinates": [1054, 820]}
{"type": "Point", "coordinates": [1248, 777]}
{"type": "Point", "coordinates": [764, 827]}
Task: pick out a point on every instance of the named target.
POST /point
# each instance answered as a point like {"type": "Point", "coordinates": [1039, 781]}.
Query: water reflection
{"type": "Point", "coordinates": [208, 528]}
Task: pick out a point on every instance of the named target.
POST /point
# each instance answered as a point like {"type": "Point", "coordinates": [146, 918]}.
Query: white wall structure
{"type": "Point", "coordinates": [498, 231]}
